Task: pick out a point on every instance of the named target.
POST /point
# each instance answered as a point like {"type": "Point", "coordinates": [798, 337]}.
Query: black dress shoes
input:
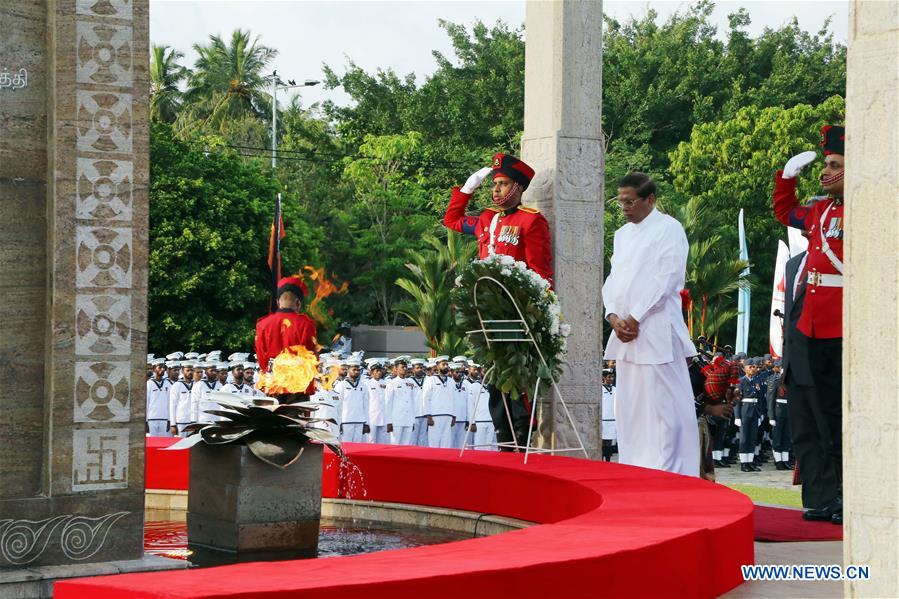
{"type": "Point", "coordinates": [749, 467]}
{"type": "Point", "coordinates": [826, 512]}
{"type": "Point", "coordinates": [721, 464]}
{"type": "Point", "coordinates": [781, 466]}
{"type": "Point", "coordinates": [837, 518]}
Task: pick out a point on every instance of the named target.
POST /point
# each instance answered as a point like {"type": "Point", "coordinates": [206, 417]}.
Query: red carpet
{"type": "Point", "coordinates": [604, 530]}
{"type": "Point", "coordinates": [778, 524]}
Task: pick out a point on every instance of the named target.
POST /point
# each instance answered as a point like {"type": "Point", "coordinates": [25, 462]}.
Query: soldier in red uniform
{"type": "Point", "coordinates": [506, 227]}
{"type": "Point", "coordinates": [821, 321]}
{"type": "Point", "coordinates": [510, 229]}
{"type": "Point", "coordinates": [285, 327]}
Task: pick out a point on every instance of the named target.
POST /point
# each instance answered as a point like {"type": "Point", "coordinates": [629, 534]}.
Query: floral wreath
{"type": "Point", "coordinates": [515, 366]}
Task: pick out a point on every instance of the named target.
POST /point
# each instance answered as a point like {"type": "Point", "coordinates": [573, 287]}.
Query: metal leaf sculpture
{"type": "Point", "coordinates": [275, 433]}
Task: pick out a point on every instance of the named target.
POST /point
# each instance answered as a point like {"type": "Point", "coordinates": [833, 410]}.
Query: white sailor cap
{"type": "Point", "coordinates": [223, 366]}
{"type": "Point", "coordinates": [441, 359]}
{"type": "Point", "coordinates": [235, 364]}
{"type": "Point", "coordinates": [172, 364]}
{"type": "Point", "coordinates": [150, 358]}
{"type": "Point", "coordinates": [353, 362]}
{"type": "Point", "coordinates": [431, 363]}
{"type": "Point", "coordinates": [214, 354]}
{"type": "Point", "coordinates": [238, 357]}
{"type": "Point", "coordinates": [157, 361]}
{"type": "Point", "coordinates": [208, 364]}
{"type": "Point", "coordinates": [473, 364]}
{"type": "Point", "coordinates": [416, 361]}
{"type": "Point", "coordinates": [370, 361]}
{"type": "Point", "coordinates": [177, 355]}
{"type": "Point", "coordinates": [191, 355]}
{"type": "Point", "coordinates": [189, 364]}
{"type": "Point", "coordinates": [457, 365]}
{"type": "Point", "coordinates": [462, 359]}
{"type": "Point", "coordinates": [249, 365]}
{"type": "Point", "coordinates": [202, 357]}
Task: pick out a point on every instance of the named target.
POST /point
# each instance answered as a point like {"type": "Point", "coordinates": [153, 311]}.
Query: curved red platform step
{"type": "Point", "coordinates": [605, 530]}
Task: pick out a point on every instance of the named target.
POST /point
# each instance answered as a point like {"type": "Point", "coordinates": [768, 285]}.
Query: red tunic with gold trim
{"type": "Point", "coordinates": [822, 313]}
{"type": "Point", "coordinates": [520, 232]}
{"type": "Point", "coordinates": [282, 329]}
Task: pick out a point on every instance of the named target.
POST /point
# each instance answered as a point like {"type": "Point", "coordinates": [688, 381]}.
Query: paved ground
{"type": "Point", "coordinates": [793, 553]}
{"type": "Point", "coordinates": [768, 477]}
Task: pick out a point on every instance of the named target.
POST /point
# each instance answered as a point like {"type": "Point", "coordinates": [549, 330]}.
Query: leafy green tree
{"type": "Point", "coordinates": [729, 165]}
{"type": "Point", "coordinates": [211, 214]}
{"type": "Point", "coordinates": [388, 217]}
{"type": "Point", "coordinates": [165, 76]}
{"type": "Point", "coordinates": [227, 90]}
{"type": "Point", "coordinates": [433, 273]}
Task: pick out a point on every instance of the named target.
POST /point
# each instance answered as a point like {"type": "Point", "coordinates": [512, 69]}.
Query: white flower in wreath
{"type": "Point", "coordinates": [459, 281]}
{"type": "Point", "coordinates": [565, 330]}
{"type": "Point", "coordinates": [506, 260]}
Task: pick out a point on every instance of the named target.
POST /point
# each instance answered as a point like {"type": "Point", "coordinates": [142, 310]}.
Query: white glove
{"type": "Point", "coordinates": [475, 180]}
{"type": "Point", "coordinates": [738, 422]}
{"type": "Point", "coordinates": [797, 163]}
{"type": "Point", "coordinates": [772, 422]}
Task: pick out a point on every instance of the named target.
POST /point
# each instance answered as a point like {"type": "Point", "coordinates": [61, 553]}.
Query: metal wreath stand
{"type": "Point", "coordinates": [493, 330]}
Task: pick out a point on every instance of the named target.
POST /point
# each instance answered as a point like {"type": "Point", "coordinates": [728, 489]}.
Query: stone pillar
{"type": "Point", "coordinates": [73, 280]}
{"type": "Point", "coordinates": [562, 142]}
{"type": "Point", "coordinates": [870, 304]}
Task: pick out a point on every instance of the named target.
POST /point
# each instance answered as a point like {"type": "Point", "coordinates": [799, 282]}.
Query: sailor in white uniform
{"type": "Point", "coordinates": [420, 428]}
{"type": "Point", "coordinates": [377, 408]}
{"type": "Point", "coordinates": [179, 399]}
{"type": "Point", "coordinates": [460, 427]}
{"type": "Point", "coordinates": [353, 404]}
{"type": "Point", "coordinates": [484, 433]}
{"type": "Point", "coordinates": [158, 400]}
{"type": "Point", "coordinates": [400, 404]}
{"type": "Point", "coordinates": [440, 399]}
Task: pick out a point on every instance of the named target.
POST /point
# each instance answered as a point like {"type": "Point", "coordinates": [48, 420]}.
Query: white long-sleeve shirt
{"type": "Point", "coordinates": [440, 395]}
{"type": "Point", "coordinates": [377, 407]}
{"type": "Point", "coordinates": [200, 402]}
{"type": "Point", "coordinates": [158, 399]}
{"type": "Point", "coordinates": [477, 394]}
{"type": "Point", "coordinates": [400, 402]}
{"type": "Point", "coordinates": [418, 392]}
{"type": "Point", "coordinates": [649, 262]}
{"type": "Point", "coordinates": [353, 401]}
{"type": "Point", "coordinates": [179, 403]}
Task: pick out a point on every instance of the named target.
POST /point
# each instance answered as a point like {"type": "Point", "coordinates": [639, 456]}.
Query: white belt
{"type": "Point", "coordinates": [750, 400]}
{"type": "Point", "coordinates": [781, 401]}
{"type": "Point", "coordinates": [823, 280]}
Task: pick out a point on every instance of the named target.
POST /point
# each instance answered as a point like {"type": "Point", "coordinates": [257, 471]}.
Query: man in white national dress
{"type": "Point", "coordinates": [650, 343]}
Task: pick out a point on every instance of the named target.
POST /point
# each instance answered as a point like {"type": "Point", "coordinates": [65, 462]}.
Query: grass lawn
{"type": "Point", "coordinates": [767, 495]}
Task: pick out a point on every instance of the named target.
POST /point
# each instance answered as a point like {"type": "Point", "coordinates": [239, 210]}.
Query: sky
{"type": "Point", "coordinates": [401, 35]}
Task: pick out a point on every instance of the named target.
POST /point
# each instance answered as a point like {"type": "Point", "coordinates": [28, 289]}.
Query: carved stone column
{"type": "Point", "coordinates": [562, 142]}
{"type": "Point", "coordinates": [73, 281]}
{"type": "Point", "coordinates": [870, 304]}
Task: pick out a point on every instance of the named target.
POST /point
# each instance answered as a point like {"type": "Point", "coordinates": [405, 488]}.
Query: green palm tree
{"type": "Point", "coordinates": [434, 271]}
{"type": "Point", "coordinates": [713, 275]}
{"type": "Point", "coordinates": [228, 84]}
{"type": "Point", "coordinates": [165, 76]}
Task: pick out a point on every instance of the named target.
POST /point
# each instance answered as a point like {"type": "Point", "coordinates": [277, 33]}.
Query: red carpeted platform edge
{"type": "Point", "coordinates": [778, 525]}
{"type": "Point", "coordinates": [605, 530]}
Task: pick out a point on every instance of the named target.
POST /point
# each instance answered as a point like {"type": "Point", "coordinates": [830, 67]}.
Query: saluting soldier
{"type": "Point", "coordinates": [821, 321]}
{"type": "Point", "coordinates": [510, 229]}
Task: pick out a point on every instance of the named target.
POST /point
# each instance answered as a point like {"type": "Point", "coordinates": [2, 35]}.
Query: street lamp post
{"type": "Point", "coordinates": [277, 84]}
